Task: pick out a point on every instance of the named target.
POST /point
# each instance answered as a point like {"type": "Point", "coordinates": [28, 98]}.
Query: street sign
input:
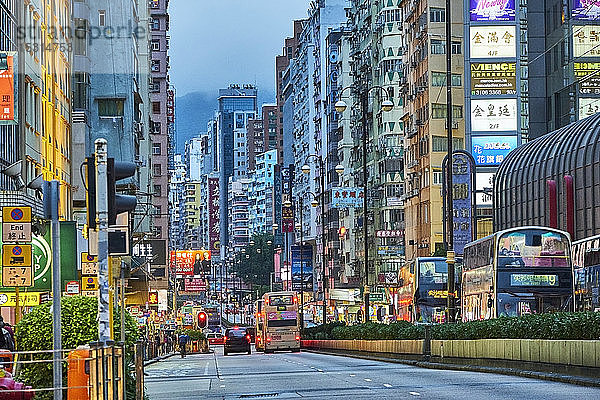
{"type": "Point", "coordinates": [16, 214]}
{"type": "Point", "coordinates": [17, 276]}
{"type": "Point", "coordinates": [89, 264]}
{"type": "Point", "coordinates": [374, 296]}
{"type": "Point", "coordinates": [73, 288]}
{"type": "Point", "coordinates": [89, 293]}
{"type": "Point", "coordinates": [28, 299]}
{"type": "Point", "coordinates": [89, 283]}
{"type": "Point", "coordinates": [15, 232]}
{"type": "Point", "coordinates": [16, 255]}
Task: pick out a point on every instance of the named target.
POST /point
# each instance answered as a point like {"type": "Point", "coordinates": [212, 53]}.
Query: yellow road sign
{"type": "Point", "coordinates": [28, 299]}
{"type": "Point", "coordinates": [16, 214]}
{"type": "Point", "coordinates": [16, 255]}
{"type": "Point", "coordinates": [89, 283]}
{"type": "Point", "coordinates": [87, 258]}
{"type": "Point", "coordinates": [17, 276]}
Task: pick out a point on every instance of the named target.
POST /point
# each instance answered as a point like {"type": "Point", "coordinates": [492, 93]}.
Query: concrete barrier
{"type": "Point", "coordinates": [580, 353]}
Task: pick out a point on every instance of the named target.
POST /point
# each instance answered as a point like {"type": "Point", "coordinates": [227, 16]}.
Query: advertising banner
{"type": "Point", "coordinates": [488, 79]}
{"type": "Point", "coordinates": [42, 257]}
{"type": "Point", "coordinates": [462, 200]}
{"type": "Point", "coordinates": [213, 215]}
{"type": "Point", "coordinates": [588, 107]}
{"type": "Point", "coordinates": [491, 150]}
{"type": "Point", "coordinates": [494, 115]}
{"type": "Point", "coordinates": [194, 285]}
{"type": "Point", "coordinates": [390, 250]}
{"type": "Point", "coordinates": [492, 10]}
{"type": "Point", "coordinates": [192, 262]}
{"type": "Point", "coordinates": [582, 70]}
{"type": "Point", "coordinates": [302, 276]}
{"type": "Point", "coordinates": [494, 41]}
{"type": "Point", "coordinates": [7, 87]}
{"type": "Point", "coordinates": [347, 197]}
{"type": "Point", "coordinates": [585, 10]}
{"type": "Point", "coordinates": [154, 251]}
{"type": "Point", "coordinates": [27, 299]}
{"type": "Point", "coordinates": [484, 180]}
{"type": "Point", "coordinates": [585, 40]}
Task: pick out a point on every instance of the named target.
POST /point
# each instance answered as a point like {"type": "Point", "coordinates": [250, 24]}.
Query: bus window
{"type": "Point", "coordinates": [532, 248]}
{"type": "Point", "coordinates": [281, 300]}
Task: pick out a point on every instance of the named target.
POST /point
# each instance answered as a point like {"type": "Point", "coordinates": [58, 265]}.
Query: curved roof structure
{"type": "Point", "coordinates": [520, 194]}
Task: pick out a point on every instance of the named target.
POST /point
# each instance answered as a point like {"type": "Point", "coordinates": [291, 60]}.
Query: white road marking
{"type": "Point", "coordinates": [222, 385]}
{"type": "Point", "coordinates": [320, 370]}
{"type": "Point", "coordinates": [352, 374]}
{"type": "Point", "coordinates": [367, 379]}
{"type": "Point", "coordinates": [387, 385]}
{"type": "Point", "coordinates": [414, 393]}
{"type": "Point", "coordinates": [206, 368]}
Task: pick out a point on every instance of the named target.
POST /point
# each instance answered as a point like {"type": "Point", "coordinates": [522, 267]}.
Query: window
{"type": "Point", "coordinates": [158, 231]}
{"type": "Point", "coordinates": [440, 144]}
{"type": "Point", "coordinates": [154, 24]}
{"type": "Point", "coordinates": [102, 17]}
{"type": "Point", "coordinates": [80, 39]}
{"type": "Point", "coordinates": [437, 14]}
{"type": "Point", "coordinates": [111, 107]}
{"type": "Point", "coordinates": [156, 128]}
{"type": "Point", "coordinates": [438, 46]}
{"type": "Point", "coordinates": [155, 66]}
{"type": "Point", "coordinates": [156, 107]}
{"type": "Point", "coordinates": [157, 169]}
{"type": "Point", "coordinates": [456, 48]}
{"type": "Point", "coordinates": [158, 190]}
{"type": "Point", "coordinates": [155, 45]}
{"type": "Point", "coordinates": [156, 149]}
{"type": "Point", "coordinates": [439, 79]}
{"type": "Point", "coordinates": [438, 176]}
{"type": "Point", "coordinates": [157, 210]}
{"type": "Point", "coordinates": [80, 91]}
{"type": "Point", "coordinates": [438, 111]}
{"type": "Point", "coordinates": [155, 85]}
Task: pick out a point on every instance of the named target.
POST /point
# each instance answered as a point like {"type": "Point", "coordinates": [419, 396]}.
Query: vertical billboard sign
{"type": "Point", "coordinates": [287, 213]}
{"type": "Point", "coordinates": [214, 229]}
{"type": "Point", "coordinates": [7, 87]}
{"type": "Point", "coordinates": [302, 275]}
{"type": "Point", "coordinates": [463, 175]}
{"type": "Point", "coordinates": [492, 10]}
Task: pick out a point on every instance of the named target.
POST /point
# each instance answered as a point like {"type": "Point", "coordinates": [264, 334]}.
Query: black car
{"type": "Point", "coordinates": [236, 340]}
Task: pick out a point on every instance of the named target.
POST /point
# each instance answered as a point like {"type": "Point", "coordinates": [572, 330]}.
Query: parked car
{"type": "Point", "coordinates": [236, 340]}
{"type": "Point", "coordinates": [215, 338]}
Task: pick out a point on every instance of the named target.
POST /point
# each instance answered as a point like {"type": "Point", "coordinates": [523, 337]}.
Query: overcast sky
{"type": "Point", "coordinates": [218, 42]}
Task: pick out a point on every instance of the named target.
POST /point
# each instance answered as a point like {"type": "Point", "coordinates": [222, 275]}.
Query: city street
{"type": "Point", "coordinates": [317, 376]}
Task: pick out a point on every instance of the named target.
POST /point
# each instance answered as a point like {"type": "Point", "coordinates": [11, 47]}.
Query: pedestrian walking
{"type": "Point", "coordinates": [7, 341]}
{"type": "Point", "coordinates": [183, 341]}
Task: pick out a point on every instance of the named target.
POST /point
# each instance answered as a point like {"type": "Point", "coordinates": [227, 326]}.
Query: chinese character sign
{"type": "Point", "coordinates": [495, 115]}
{"type": "Point", "coordinates": [492, 10]}
{"type": "Point", "coordinates": [213, 214]}
{"type": "Point", "coordinates": [584, 74]}
{"type": "Point", "coordinates": [493, 42]}
{"type": "Point", "coordinates": [7, 87]}
{"type": "Point", "coordinates": [491, 150]}
{"type": "Point", "coordinates": [347, 197]}
{"type": "Point", "coordinates": [588, 107]}
{"type": "Point", "coordinates": [586, 10]}
{"type": "Point", "coordinates": [462, 192]}
{"type": "Point", "coordinates": [493, 78]}
{"type": "Point", "coordinates": [585, 41]}
{"type": "Point", "coordinates": [192, 262]}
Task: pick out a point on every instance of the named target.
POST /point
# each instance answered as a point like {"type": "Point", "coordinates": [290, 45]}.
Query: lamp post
{"type": "Point", "coordinates": [386, 105]}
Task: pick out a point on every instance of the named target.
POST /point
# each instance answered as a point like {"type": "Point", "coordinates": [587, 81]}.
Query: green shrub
{"type": "Point", "coordinates": [554, 326]}
{"type": "Point", "coordinates": [79, 327]}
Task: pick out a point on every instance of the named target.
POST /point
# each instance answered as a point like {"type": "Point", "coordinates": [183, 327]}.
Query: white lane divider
{"type": "Point", "coordinates": [352, 374]}
{"type": "Point", "coordinates": [206, 368]}
{"type": "Point", "coordinates": [320, 370]}
{"type": "Point", "coordinates": [367, 380]}
{"type": "Point", "coordinates": [414, 393]}
{"type": "Point", "coordinates": [387, 385]}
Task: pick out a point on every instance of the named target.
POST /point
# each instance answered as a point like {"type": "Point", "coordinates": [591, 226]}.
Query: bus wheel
{"type": "Point", "coordinates": [296, 350]}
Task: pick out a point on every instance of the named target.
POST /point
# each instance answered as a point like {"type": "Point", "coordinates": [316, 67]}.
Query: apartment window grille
{"type": "Point", "coordinates": [437, 14]}
{"type": "Point", "coordinates": [156, 149]}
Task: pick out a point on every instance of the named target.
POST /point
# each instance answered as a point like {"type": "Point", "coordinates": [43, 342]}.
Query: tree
{"type": "Point", "coordinates": [255, 264]}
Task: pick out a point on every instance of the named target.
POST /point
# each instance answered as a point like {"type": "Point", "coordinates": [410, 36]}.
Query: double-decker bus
{"type": "Point", "coordinates": [423, 290]}
{"type": "Point", "coordinates": [281, 321]}
{"type": "Point", "coordinates": [518, 271]}
{"type": "Point", "coordinates": [586, 266]}
{"type": "Point", "coordinates": [259, 323]}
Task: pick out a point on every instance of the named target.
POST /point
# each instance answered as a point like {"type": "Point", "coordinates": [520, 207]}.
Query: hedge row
{"type": "Point", "coordinates": [580, 325]}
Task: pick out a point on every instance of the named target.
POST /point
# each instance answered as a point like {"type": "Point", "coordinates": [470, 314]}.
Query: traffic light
{"type": "Point", "coordinates": [202, 319]}
{"type": "Point", "coordinates": [90, 165]}
{"type": "Point", "coordinates": [118, 203]}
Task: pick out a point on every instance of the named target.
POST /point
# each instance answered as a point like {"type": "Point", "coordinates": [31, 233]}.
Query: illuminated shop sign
{"type": "Point", "coordinates": [493, 42]}
{"type": "Point", "coordinates": [494, 115]}
{"type": "Point", "coordinates": [492, 10]}
{"type": "Point", "coordinates": [585, 40]}
{"type": "Point", "coordinates": [533, 280]}
{"type": "Point", "coordinates": [491, 150]}
{"type": "Point", "coordinates": [590, 85]}
{"type": "Point", "coordinates": [493, 78]}
{"type": "Point", "coordinates": [585, 10]}
{"type": "Point", "coordinates": [588, 107]}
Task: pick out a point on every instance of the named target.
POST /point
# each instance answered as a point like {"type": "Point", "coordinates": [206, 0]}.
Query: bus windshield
{"type": "Point", "coordinates": [533, 248]}
{"type": "Point", "coordinates": [281, 300]}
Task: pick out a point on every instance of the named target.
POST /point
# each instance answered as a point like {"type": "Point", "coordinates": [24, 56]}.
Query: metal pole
{"type": "Point", "coordinates": [123, 303]}
{"type": "Point", "coordinates": [301, 264]}
{"type": "Point", "coordinates": [52, 208]}
{"type": "Point", "coordinates": [323, 239]}
{"type": "Point", "coordinates": [364, 103]}
{"type": "Point", "coordinates": [102, 224]}
{"type": "Point", "coordinates": [450, 162]}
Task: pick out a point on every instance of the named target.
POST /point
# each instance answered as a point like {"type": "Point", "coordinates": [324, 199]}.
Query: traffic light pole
{"type": "Point", "coordinates": [102, 226]}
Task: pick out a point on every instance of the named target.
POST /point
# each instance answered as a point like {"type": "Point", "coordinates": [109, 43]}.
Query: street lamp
{"type": "Point", "coordinates": [386, 105]}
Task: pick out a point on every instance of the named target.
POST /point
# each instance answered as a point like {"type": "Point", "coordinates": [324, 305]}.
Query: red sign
{"type": "Point", "coordinates": [7, 88]}
{"type": "Point", "coordinates": [194, 285]}
{"type": "Point", "coordinates": [153, 298]}
{"type": "Point", "coordinates": [190, 262]}
{"type": "Point", "coordinates": [287, 219]}
{"type": "Point", "coordinates": [213, 214]}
